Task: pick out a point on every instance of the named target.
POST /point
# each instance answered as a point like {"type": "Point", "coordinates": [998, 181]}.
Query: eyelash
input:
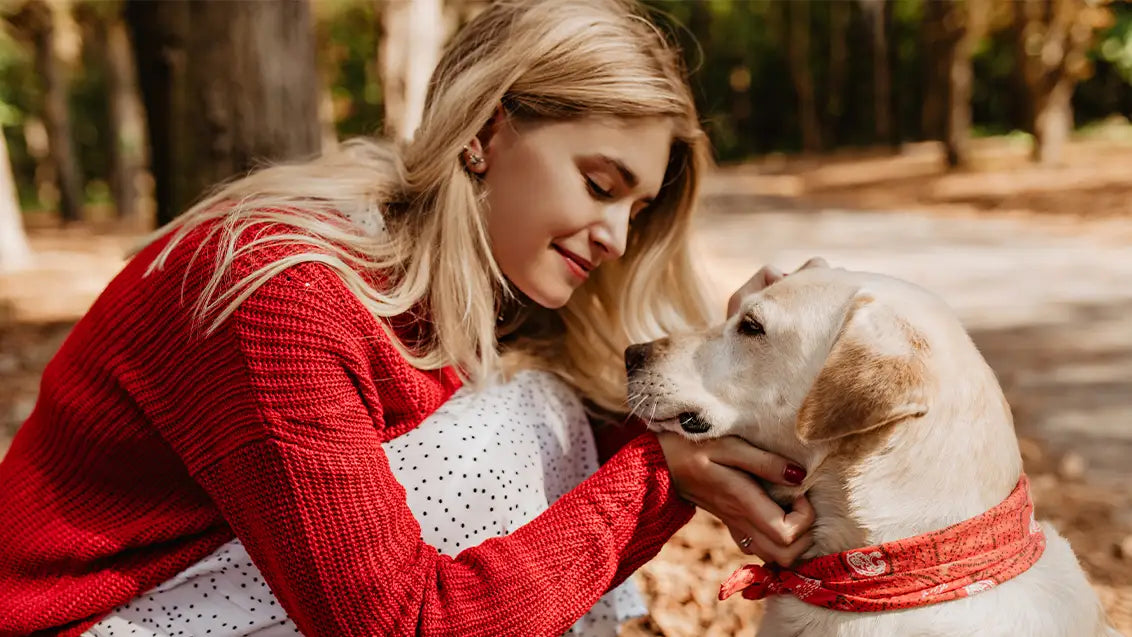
{"type": "Point", "coordinates": [750, 326]}
{"type": "Point", "coordinates": [596, 190]}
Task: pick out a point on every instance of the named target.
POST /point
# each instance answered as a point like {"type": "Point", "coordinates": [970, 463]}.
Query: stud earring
{"type": "Point", "coordinates": [473, 158]}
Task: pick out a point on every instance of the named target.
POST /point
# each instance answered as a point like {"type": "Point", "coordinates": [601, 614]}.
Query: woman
{"type": "Point", "coordinates": [243, 374]}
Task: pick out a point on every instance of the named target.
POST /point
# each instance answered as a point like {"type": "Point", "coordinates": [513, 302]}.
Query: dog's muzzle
{"type": "Point", "coordinates": [692, 423]}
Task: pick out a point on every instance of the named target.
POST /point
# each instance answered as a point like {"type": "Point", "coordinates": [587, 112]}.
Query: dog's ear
{"type": "Point", "coordinates": [874, 376]}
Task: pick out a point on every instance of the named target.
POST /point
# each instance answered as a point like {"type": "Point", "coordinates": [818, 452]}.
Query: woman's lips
{"type": "Point", "coordinates": [578, 266]}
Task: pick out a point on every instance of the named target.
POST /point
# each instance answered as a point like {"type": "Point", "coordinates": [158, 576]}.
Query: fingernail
{"type": "Point", "coordinates": [794, 474]}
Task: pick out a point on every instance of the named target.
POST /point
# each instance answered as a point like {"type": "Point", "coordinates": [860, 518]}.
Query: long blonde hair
{"type": "Point", "coordinates": [415, 215]}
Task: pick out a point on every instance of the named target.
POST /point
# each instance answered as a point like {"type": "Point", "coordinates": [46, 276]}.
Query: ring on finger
{"type": "Point", "coordinates": [745, 542]}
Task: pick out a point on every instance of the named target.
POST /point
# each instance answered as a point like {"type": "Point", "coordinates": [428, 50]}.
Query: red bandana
{"type": "Point", "coordinates": [964, 559]}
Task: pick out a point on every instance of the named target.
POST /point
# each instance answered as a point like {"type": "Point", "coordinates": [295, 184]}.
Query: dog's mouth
{"type": "Point", "coordinates": [693, 423]}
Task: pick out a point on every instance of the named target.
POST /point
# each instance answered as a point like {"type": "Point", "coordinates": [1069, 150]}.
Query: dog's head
{"type": "Point", "coordinates": [820, 356]}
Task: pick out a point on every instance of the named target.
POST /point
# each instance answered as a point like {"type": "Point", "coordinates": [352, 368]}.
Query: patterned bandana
{"type": "Point", "coordinates": [961, 560]}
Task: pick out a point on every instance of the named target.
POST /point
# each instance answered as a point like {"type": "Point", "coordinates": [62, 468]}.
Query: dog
{"type": "Point", "coordinates": [873, 385]}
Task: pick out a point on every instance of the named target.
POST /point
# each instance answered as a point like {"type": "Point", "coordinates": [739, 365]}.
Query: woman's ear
{"type": "Point", "coordinates": [473, 157]}
{"type": "Point", "coordinates": [477, 156]}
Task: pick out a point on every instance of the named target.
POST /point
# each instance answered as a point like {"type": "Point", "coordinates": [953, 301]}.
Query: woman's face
{"type": "Point", "coordinates": [561, 194]}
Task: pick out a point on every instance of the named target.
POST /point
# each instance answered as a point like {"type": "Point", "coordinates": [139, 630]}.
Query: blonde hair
{"type": "Point", "coordinates": [414, 214]}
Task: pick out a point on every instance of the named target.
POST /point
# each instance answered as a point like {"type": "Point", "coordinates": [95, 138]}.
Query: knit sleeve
{"type": "Point", "coordinates": [299, 473]}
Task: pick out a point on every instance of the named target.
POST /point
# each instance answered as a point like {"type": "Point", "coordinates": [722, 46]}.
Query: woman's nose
{"type": "Point", "coordinates": [612, 235]}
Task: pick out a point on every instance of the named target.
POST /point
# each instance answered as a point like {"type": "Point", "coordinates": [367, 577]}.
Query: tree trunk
{"type": "Point", "coordinates": [877, 11]}
{"type": "Point", "coordinates": [108, 44]}
{"type": "Point", "coordinates": [839, 14]}
{"type": "Point", "coordinates": [412, 37]}
{"type": "Point", "coordinates": [1053, 37]}
{"type": "Point", "coordinates": [958, 125]}
{"type": "Point", "coordinates": [952, 27]}
{"type": "Point", "coordinates": [1053, 122]}
{"type": "Point", "coordinates": [935, 39]}
{"type": "Point", "coordinates": [127, 122]}
{"type": "Point", "coordinates": [800, 71]}
{"type": "Point", "coordinates": [37, 20]}
{"type": "Point", "coordinates": [15, 254]}
{"type": "Point", "coordinates": [227, 86]}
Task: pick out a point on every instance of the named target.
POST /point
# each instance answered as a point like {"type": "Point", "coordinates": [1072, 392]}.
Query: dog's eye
{"type": "Point", "coordinates": [750, 326]}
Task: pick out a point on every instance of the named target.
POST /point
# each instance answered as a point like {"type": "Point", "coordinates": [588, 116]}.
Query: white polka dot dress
{"type": "Point", "coordinates": [481, 466]}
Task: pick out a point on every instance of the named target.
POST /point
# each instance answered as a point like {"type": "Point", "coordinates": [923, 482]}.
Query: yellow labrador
{"type": "Point", "coordinates": [873, 385]}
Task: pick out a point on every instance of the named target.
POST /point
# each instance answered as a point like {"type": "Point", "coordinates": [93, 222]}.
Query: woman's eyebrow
{"type": "Point", "coordinates": [629, 176]}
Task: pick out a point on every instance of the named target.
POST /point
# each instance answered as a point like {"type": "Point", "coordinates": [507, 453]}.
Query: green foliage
{"type": "Point", "coordinates": [347, 36]}
{"type": "Point", "coordinates": [19, 96]}
{"type": "Point", "coordinates": [1116, 42]}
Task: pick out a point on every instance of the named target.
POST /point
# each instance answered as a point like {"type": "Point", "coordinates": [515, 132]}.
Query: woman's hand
{"type": "Point", "coordinates": [765, 277]}
{"type": "Point", "coordinates": [716, 475]}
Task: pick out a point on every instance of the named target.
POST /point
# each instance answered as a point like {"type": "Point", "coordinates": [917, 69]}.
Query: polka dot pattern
{"type": "Point", "coordinates": [481, 466]}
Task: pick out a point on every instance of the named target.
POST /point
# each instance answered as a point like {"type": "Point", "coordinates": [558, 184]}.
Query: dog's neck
{"type": "Point", "coordinates": [925, 474]}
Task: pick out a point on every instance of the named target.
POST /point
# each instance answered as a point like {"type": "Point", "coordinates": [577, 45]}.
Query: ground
{"type": "Point", "coordinates": [1036, 261]}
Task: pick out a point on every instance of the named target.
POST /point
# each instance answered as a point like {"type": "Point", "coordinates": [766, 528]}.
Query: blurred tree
{"type": "Point", "coordinates": [1052, 38]}
{"type": "Point", "coordinates": [1107, 93]}
{"type": "Point", "coordinates": [249, 95]}
{"type": "Point", "coordinates": [36, 21]}
{"type": "Point", "coordinates": [801, 71]}
{"type": "Point", "coordinates": [879, 13]}
{"type": "Point", "coordinates": [1116, 42]}
{"type": "Point", "coordinates": [346, 33]}
{"type": "Point", "coordinates": [839, 14]}
{"type": "Point", "coordinates": [412, 36]}
{"type": "Point", "coordinates": [105, 35]}
{"type": "Point", "coordinates": [952, 27]}
{"type": "Point", "coordinates": [14, 251]}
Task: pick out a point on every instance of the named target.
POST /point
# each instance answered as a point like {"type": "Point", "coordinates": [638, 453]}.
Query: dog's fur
{"type": "Point", "coordinates": [873, 385]}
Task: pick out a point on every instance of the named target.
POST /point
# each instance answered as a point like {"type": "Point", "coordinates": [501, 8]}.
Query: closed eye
{"type": "Point", "coordinates": [596, 190]}
{"type": "Point", "coordinates": [750, 326]}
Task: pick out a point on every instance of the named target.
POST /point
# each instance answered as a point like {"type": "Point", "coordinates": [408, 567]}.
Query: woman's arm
{"type": "Point", "coordinates": [288, 444]}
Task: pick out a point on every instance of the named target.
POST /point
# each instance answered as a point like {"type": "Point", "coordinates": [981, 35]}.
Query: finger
{"type": "Point", "coordinates": [763, 514]}
{"type": "Point", "coordinates": [751, 541]}
{"type": "Point", "coordinates": [757, 544]}
{"type": "Point", "coordinates": [733, 303]}
{"type": "Point", "coordinates": [738, 497]}
{"type": "Point", "coordinates": [772, 275]}
{"type": "Point", "coordinates": [815, 262]}
{"type": "Point", "coordinates": [735, 452]}
{"type": "Point", "coordinates": [801, 514]}
{"type": "Point", "coordinates": [743, 540]}
{"type": "Point", "coordinates": [787, 555]}
{"type": "Point", "coordinates": [766, 275]}
{"type": "Point", "coordinates": [754, 543]}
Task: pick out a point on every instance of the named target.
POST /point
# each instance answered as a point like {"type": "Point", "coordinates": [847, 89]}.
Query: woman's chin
{"type": "Point", "coordinates": [552, 297]}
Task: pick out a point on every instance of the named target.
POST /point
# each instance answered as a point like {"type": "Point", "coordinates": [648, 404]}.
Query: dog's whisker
{"type": "Point", "coordinates": [641, 398]}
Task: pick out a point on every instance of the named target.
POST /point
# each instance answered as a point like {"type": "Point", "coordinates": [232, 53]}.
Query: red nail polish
{"type": "Point", "coordinates": [794, 474]}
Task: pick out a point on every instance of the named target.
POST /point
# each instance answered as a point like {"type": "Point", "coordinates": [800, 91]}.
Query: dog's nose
{"type": "Point", "coordinates": [636, 356]}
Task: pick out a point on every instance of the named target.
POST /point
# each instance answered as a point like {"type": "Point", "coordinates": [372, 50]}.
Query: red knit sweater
{"type": "Point", "coordinates": [151, 445]}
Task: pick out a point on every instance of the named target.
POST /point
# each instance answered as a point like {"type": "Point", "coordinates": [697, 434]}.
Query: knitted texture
{"type": "Point", "coordinates": [152, 445]}
{"type": "Point", "coordinates": [961, 560]}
